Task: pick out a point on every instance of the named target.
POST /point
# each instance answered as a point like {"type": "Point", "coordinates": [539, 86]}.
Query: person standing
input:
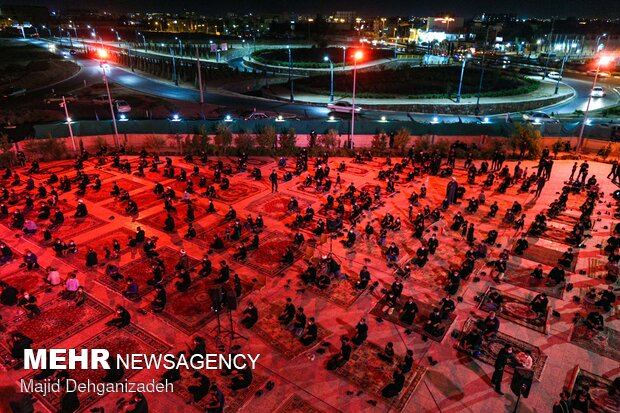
{"type": "Point", "coordinates": [503, 358]}
{"type": "Point", "coordinates": [273, 178]}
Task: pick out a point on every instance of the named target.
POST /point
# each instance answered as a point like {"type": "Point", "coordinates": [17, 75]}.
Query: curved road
{"type": "Point", "coordinates": [92, 73]}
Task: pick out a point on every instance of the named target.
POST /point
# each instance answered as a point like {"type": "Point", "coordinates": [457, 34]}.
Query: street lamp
{"type": "Point", "coordinates": [395, 46]}
{"type": "Point", "coordinates": [602, 61]}
{"type": "Point", "coordinates": [180, 46]}
{"type": "Point", "coordinates": [103, 54]}
{"type": "Point", "coordinates": [344, 56]}
{"type": "Point", "coordinates": [598, 41]}
{"type": "Point", "coordinates": [557, 83]}
{"type": "Point", "coordinates": [143, 39]}
{"type": "Point", "coordinates": [174, 68]}
{"type": "Point", "coordinates": [356, 56]}
{"type": "Point", "coordinates": [290, 71]}
{"type": "Point", "coordinates": [331, 76]}
{"type": "Point", "coordinates": [458, 95]}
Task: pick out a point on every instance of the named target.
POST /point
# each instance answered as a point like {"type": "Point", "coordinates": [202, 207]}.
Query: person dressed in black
{"type": "Point", "coordinates": [288, 313]}
{"type": "Point", "coordinates": [471, 342]}
{"type": "Point", "coordinates": [159, 302]}
{"type": "Point", "coordinates": [342, 356]}
{"type": "Point", "coordinates": [311, 333]}
{"type": "Point", "coordinates": [504, 357]}
{"type": "Point", "coordinates": [115, 373]}
{"type": "Point", "coordinates": [273, 178]}
{"type": "Point", "coordinates": [387, 354]}
{"type": "Point", "coordinates": [521, 245]}
{"type": "Point", "coordinates": [242, 379]}
{"type": "Point", "coordinates": [408, 312]}
{"type": "Point", "coordinates": [396, 386]}
{"type": "Point", "coordinates": [69, 401]}
{"type": "Point", "coordinates": [433, 325]}
{"type": "Point", "coordinates": [18, 343]}
{"type": "Point", "coordinates": [251, 316]}
{"type": "Point", "coordinates": [122, 319]}
{"type": "Point", "coordinates": [361, 332]}
{"type": "Point", "coordinates": [200, 389]}
{"type": "Point", "coordinates": [540, 303]}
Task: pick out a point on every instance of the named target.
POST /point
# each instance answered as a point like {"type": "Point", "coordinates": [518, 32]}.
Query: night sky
{"type": "Point", "coordinates": [465, 8]}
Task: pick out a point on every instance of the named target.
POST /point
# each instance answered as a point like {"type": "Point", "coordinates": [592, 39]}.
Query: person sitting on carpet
{"type": "Point", "coordinates": [18, 343]}
{"type": "Point", "coordinates": [361, 332]}
{"type": "Point", "coordinates": [81, 211]}
{"type": "Point", "coordinates": [115, 373]}
{"type": "Point", "coordinates": [132, 291]}
{"type": "Point", "coordinates": [471, 342]}
{"type": "Point", "coordinates": [594, 321]}
{"type": "Point", "coordinates": [538, 272]}
{"type": "Point", "coordinates": [494, 301]}
{"type": "Point", "coordinates": [288, 258]}
{"type": "Point", "coordinates": [607, 300]}
{"type": "Point", "coordinates": [169, 223]}
{"type": "Point", "coordinates": [122, 319]}
{"type": "Point", "coordinates": [539, 304]}
{"type": "Point", "coordinates": [288, 313]}
{"type": "Point", "coordinates": [298, 326]}
{"type": "Point", "coordinates": [311, 333]}
{"type": "Point", "coordinates": [557, 274]}
{"type": "Point", "coordinates": [396, 386]}
{"type": "Point", "coordinates": [408, 312]}
{"type": "Point", "coordinates": [339, 359]}
{"type": "Point", "coordinates": [159, 302]}
{"type": "Point", "coordinates": [489, 326]}
{"type": "Point", "coordinates": [521, 245]}
{"type": "Point", "coordinates": [387, 354]}
{"type": "Point", "coordinates": [29, 303]}
{"type": "Point", "coordinates": [91, 258]}
{"type": "Point", "coordinates": [251, 315]}
{"type": "Point", "coordinates": [241, 379]}
{"type": "Point", "coordinates": [71, 286]}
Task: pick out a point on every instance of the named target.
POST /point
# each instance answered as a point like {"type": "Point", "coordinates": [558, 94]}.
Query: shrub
{"type": "Point", "coordinates": [330, 139]}
{"type": "Point", "coordinates": [46, 149]}
{"type": "Point", "coordinates": [379, 143]}
{"type": "Point", "coordinates": [526, 139]}
{"type": "Point", "coordinates": [288, 140]}
{"type": "Point", "coordinates": [244, 141]}
{"type": "Point", "coordinates": [155, 143]}
{"type": "Point", "coordinates": [223, 136]}
{"type": "Point", "coordinates": [401, 139]}
{"type": "Point", "coordinates": [267, 137]}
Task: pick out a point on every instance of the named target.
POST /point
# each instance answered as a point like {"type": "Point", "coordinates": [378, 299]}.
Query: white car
{"type": "Point", "coordinates": [257, 116]}
{"type": "Point", "coordinates": [54, 98]}
{"type": "Point", "coordinates": [342, 106]}
{"type": "Point", "coordinates": [539, 117]}
{"type": "Point", "coordinates": [600, 74]}
{"type": "Point", "coordinates": [554, 76]}
{"type": "Point", "coordinates": [598, 92]}
{"type": "Point", "coordinates": [122, 106]}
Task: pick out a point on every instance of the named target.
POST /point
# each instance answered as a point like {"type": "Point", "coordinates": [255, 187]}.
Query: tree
{"type": "Point", "coordinates": [401, 139]}
{"type": "Point", "coordinates": [526, 139]}
{"type": "Point", "coordinates": [267, 137]}
{"type": "Point", "coordinates": [223, 136]}
{"type": "Point", "coordinates": [244, 141]}
{"type": "Point", "coordinates": [6, 154]}
{"type": "Point", "coordinates": [288, 140]}
{"type": "Point", "coordinates": [379, 142]}
{"type": "Point", "coordinates": [330, 140]}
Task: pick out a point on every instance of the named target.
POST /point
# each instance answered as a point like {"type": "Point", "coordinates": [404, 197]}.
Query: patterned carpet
{"type": "Point", "coordinates": [78, 260]}
{"type": "Point", "coordinates": [190, 311]}
{"type": "Point", "coordinates": [145, 200]}
{"type": "Point", "coordinates": [127, 340]}
{"type": "Point", "coordinates": [602, 401]}
{"type": "Point", "coordinates": [548, 256]}
{"type": "Point", "coordinates": [158, 219]}
{"type": "Point", "coordinates": [420, 320]}
{"type": "Point", "coordinates": [31, 281]}
{"type": "Point", "coordinates": [237, 192]}
{"type": "Point", "coordinates": [267, 259]}
{"type": "Point", "coordinates": [59, 320]}
{"type": "Point", "coordinates": [296, 404]}
{"type": "Point", "coordinates": [520, 277]}
{"type": "Point", "coordinates": [370, 374]}
{"type": "Point", "coordinates": [356, 170]}
{"type": "Point", "coordinates": [605, 343]}
{"type": "Point", "coordinates": [276, 205]}
{"type": "Point", "coordinates": [490, 349]}
{"type": "Point", "coordinates": [340, 292]}
{"type": "Point", "coordinates": [140, 271]}
{"type": "Point", "coordinates": [76, 226]}
{"type": "Point", "coordinates": [517, 310]}
{"type": "Point", "coordinates": [598, 268]}
{"type": "Point", "coordinates": [556, 235]}
{"type": "Point", "coordinates": [269, 329]}
{"type": "Point", "coordinates": [104, 193]}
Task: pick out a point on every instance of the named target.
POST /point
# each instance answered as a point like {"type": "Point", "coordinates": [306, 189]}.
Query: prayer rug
{"type": "Point", "coordinates": [104, 192]}
{"type": "Point", "coordinates": [236, 192]}
{"type": "Point", "coordinates": [140, 271]}
{"type": "Point", "coordinates": [276, 205]}
{"type": "Point", "coordinates": [420, 320]}
{"type": "Point", "coordinates": [590, 304]}
{"type": "Point", "coordinates": [269, 329]}
{"type": "Point", "coordinates": [340, 292]}
{"type": "Point", "coordinates": [520, 276]}
{"type": "Point", "coordinates": [598, 388]}
{"type": "Point", "coordinates": [235, 400]}
{"type": "Point", "coordinates": [191, 310]}
{"type": "Point", "coordinates": [118, 341]}
{"type": "Point", "coordinates": [548, 255]}
{"type": "Point", "coordinates": [158, 219]}
{"type": "Point", "coordinates": [145, 200]}
{"type": "Point", "coordinates": [77, 226]}
{"type": "Point", "coordinates": [78, 260]}
{"type": "Point", "coordinates": [356, 170]}
{"type": "Point", "coordinates": [517, 310]}
{"type": "Point", "coordinates": [31, 281]}
{"type": "Point", "coordinates": [257, 162]}
{"type": "Point", "coordinates": [205, 233]}
{"type": "Point", "coordinates": [558, 235]}
{"type": "Point", "coordinates": [369, 373]}
{"type": "Point", "coordinates": [267, 259]}
{"type": "Point", "coordinates": [296, 404]}
{"type": "Point", "coordinates": [59, 320]}
{"type": "Point", "coordinates": [490, 348]}
{"type": "Point", "coordinates": [566, 219]}
{"type": "Point", "coordinates": [605, 343]}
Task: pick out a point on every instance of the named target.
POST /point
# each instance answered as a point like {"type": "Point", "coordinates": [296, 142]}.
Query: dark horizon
{"type": "Point", "coordinates": [560, 8]}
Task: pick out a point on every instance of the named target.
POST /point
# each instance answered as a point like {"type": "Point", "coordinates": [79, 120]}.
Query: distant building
{"type": "Point", "coordinates": [343, 17]}
{"type": "Point", "coordinates": [24, 14]}
{"type": "Point", "coordinates": [444, 24]}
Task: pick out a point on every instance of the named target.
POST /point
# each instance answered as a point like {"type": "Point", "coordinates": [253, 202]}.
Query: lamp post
{"type": "Point", "coordinates": [143, 40]}
{"type": "Point", "coordinates": [290, 72]}
{"type": "Point", "coordinates": [486, 38]}
{"type": "Point", "coordinates": [598, 41]}
{"type": "Point", "coordinates": [358, 55]}
{"type": "Point", "coordinates": [180, 46]}
{"type": "Point", "coordinates": [557, 83]}
{"type": "Point", "coordinates": [64, 105]}
{"type": "Point", "coordinates": [344, 56]}
{"type": "Point", "coordinates": [395, 46]}
{"type": "Point", "coordinates": [331, 78]}
{"type": "Point", "coordinates": [604, 60]}
{"type": "Point", "coordinates": [458, 95]}
{"type": "Point", "coordinates": [202, 99]}
{"type": "Point", "coordinates": [103, 54]}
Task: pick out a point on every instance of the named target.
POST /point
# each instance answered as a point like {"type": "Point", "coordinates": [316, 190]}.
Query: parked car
{"type": "Point", "coordinates": [342, 106]}
{"type": "Point", "coordinates": [13, 91]}
{"type": "Point", "coordinates": [554, 76]}
{"type": "Point", "coordinates": [539, 117]}
{"type": "Point", "coordinates": [598, 92]}
{"type": "Point", "coordinates": [54, 98]}
{"type": "Point", "coordinates": [122, 106]}
{"type": "Point", "coordinates": [257, 116]}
